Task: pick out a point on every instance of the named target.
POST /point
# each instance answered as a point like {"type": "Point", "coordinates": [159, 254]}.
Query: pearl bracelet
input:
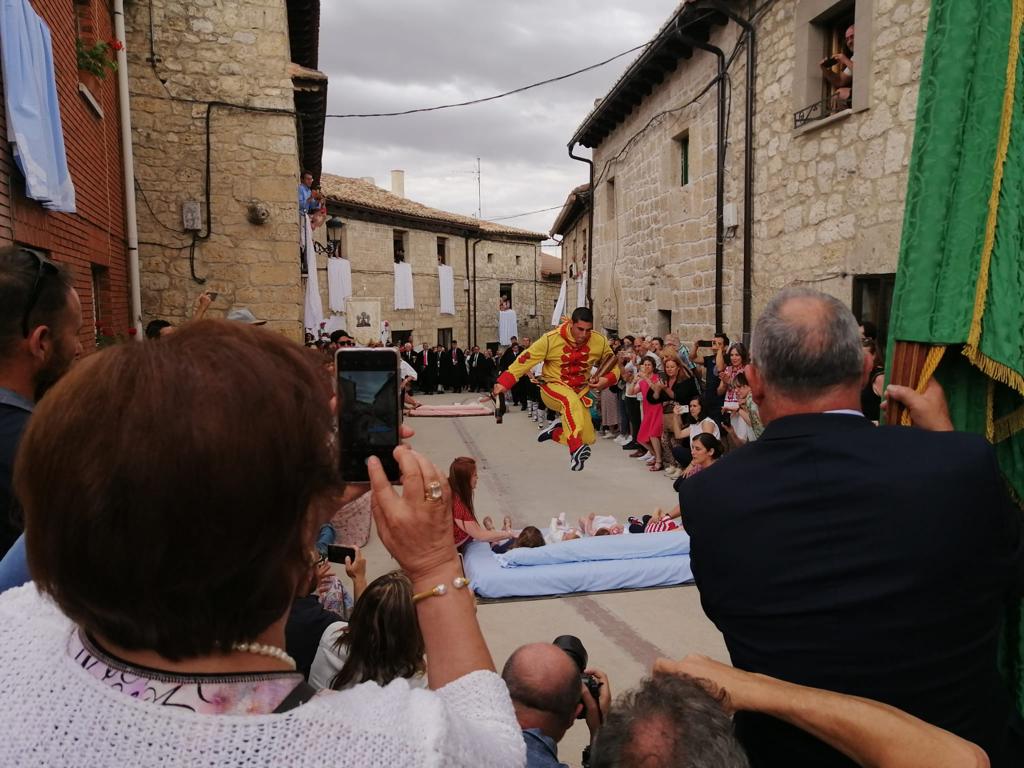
{"type": "Point", "coordinates": [459, 582]}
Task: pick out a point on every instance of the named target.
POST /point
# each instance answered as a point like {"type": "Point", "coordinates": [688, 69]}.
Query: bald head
{"type": "Point", "coordinates": [807, 343]}
{"type": "Point", "coordinates": [544, 684]}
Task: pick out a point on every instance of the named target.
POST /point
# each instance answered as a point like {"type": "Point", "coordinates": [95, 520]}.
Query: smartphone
{"type": "Point", "coordinates": [369, 410]}
{"type": "Point", "coordinates": [337, 554]}
{"type": "Point", "coordinates": [831, 61]}
{"type": "Point", "coordinates": [704, 343]}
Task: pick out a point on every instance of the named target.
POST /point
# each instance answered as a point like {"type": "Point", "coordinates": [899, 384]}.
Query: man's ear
{"type": "Point", "coordinates": [755, 381]}
{"type": "Point", "coordinates": [39, 342]}
{"type": "Point", "coordinates": [866, 370]}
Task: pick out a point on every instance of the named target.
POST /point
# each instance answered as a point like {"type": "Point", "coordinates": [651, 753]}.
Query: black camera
{"type": "Point", "coordinates": [573, 646]}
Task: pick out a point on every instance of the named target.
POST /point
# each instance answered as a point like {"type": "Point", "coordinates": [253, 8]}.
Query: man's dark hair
{"type": "Point", "coordinates": [138, 556]}
{"type": "Point", "coordinates": [454, 341]}
{"type": "Point", "coordinates": [669, 721]}
{"type": "Point", "coordinates": [582, 315]}
{"type": "Point", "coordinates": [555, 697]}
{"type": "Point", "coordinates": [305, 173]}
{"type": "Point", "coordinates": [658, 339]}
{"type": "Point", "coordinates": [724, 337]}
{"type": "Point", "coordinates": [337, 335]}
{"type": "Point", "coordinates": [19, 270]}
{"type": "Point", "coordinates": [153, 328]}
{"type": "Point", "coordinates": [629, 337]}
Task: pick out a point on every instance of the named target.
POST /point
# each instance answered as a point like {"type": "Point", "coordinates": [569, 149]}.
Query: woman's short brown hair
{"type": "Point", "coordinates": [167, 487]}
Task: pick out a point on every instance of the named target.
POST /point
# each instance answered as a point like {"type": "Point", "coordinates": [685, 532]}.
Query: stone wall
{"type": "Point", "coordinates": [654, 243]}
{"type": "Point", "coordinates": [828, 199]}
{"type": "Point", "coordinates": [221, 51]}
{"type": "Point", "coordinates": [575, 246]}
{"type": "Point", "coordinates": [369, 247]}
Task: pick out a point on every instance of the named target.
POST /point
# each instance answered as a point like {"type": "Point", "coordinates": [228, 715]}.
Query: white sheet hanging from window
{"type": "Point", "coordinates": [556, 316]}
{"type": "Point", "coordinates": [313, 311]}
{"type": "Point", "coordinates": [446, 285]}
{"type": "Point", "coordinates": [508, 326]}
{"type": "Point", "coordinates": [339, 283]}
{"type": "Point", "coordinates": [33, 111]}
{"type": "Point", "coordinates": [403, 286]}
{"type": "Point", "coordinates": [581, 290]}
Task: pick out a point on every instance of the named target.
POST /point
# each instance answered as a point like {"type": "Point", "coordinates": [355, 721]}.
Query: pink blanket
{"type": "Point", "coordinates": [452, 410]}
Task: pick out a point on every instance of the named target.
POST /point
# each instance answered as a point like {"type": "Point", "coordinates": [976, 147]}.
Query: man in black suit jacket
{"type": "Point", "coordinates": [453, 368]}
{"type": "Point", "coordinates": [426, 370]}
{"type": "Point", "coordinates": [874, 561]}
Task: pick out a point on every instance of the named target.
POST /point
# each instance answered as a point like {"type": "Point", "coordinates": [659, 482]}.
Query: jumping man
{"type": "Point", "coordinates": [568, 354]}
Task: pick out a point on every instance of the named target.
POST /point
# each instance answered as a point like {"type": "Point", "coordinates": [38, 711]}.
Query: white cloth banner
{"type": "Point", "coordinates": [581, 290]}
{"type": "Point", "coordinates": [403, 286]}
{"type": "Point", "coordinates": [339, 283]}
{"type": "Point", "coordinates": [508, 326]}
{"type": "Point", "coordinates": [446, 284]}
{"type": "Point", "coordinates": [313, 313]}
{"type": "Point", "coordinates": [556, 316]}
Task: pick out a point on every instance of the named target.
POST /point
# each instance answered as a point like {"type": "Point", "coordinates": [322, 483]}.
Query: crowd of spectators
{"type": "Point", "coordinates": [169, 497]}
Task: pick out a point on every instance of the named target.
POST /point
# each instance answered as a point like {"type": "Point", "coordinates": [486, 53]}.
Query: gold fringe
{"type": "Point", "coordinates": [994, 369]}
{"type": "Point", "coordinates": [1002, 147]}
{"type": "Point", "coordinates": [931, 364]}
{"type": "Point", "coordinates": [990, 408]}
{"type": "Point", "coordinates": [1009, 425]}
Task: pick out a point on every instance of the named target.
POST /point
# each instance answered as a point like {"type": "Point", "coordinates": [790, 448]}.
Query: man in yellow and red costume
{"type": "Point", "coordinates": [568, 354]}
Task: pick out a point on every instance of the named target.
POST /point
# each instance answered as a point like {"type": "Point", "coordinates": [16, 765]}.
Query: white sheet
{"type": "Point", "coordinates": [556, 316]}
{"type": "Point", "coordinates": [313, 311]}
{"type": "Point", "coordinates": [339, 283]}
{"type": "Point", "coordinates": [508, 326]}
{"type": "Point", "coordinates": [581, 290]}
{"type": "Point", "coordinates": [446, 285]}
{"type": "Point", "coordinates": [403, 286]}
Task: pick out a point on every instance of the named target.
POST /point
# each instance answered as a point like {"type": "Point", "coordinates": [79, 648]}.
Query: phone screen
{"type": "Point", "coordinates": [369, 413]}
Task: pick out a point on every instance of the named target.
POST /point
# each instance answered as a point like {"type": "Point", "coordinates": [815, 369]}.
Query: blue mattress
{"type": "Point", "coordinates": [598, 564]}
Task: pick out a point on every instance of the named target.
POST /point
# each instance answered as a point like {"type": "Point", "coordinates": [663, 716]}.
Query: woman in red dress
{"type": "Point", "coordinates": [462, 480]}
{"type": "Point", "coordinates": [649, 435]}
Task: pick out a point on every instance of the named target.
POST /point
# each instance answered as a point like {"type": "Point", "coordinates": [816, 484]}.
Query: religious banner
{"type": "Point", "coordinates": [363, 317]}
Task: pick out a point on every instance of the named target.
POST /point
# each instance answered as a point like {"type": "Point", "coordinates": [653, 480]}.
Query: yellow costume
{"type": "Point", "coordinates": [566, 387]}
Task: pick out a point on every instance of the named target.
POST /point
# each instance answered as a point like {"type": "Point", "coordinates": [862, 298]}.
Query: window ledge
{"type": "Point", "coordinates": [816, 124]}
{"type": "Point", "coordinates": [90, 99]}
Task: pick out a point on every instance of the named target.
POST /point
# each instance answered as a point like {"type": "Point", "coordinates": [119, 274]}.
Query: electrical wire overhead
{"type": "Point", "coordinates": [496, 96]}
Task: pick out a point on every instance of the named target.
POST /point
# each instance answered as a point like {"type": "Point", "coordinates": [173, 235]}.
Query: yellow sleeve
{"type": "Point", "coordinates": [526, 360]}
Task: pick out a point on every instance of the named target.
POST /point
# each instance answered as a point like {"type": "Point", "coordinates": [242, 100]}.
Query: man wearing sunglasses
{"type": "Point", "coordinates": [40, 318]}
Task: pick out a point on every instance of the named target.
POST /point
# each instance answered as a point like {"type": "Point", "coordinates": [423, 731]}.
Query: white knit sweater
{"type": "Point", "coordinates": [55, 714]}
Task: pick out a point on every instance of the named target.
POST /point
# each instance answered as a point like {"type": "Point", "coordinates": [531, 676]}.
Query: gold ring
{"type": "Point", "coordinates": [434, 492]}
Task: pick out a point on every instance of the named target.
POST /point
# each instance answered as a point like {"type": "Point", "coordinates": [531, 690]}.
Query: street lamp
{"type": "Point", "coordinates": [333, 247]}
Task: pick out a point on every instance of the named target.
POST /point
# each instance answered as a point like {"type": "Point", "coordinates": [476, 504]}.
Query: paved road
{"type": "Point", "coordinates": [531, 482]}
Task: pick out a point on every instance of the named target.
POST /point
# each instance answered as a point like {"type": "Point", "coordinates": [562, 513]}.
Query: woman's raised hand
{"type": "Point", "coordinates": [414, 528]}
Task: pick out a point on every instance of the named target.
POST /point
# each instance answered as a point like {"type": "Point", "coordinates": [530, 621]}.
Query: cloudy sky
{"type": "Point", "coordinates": [404, 54]}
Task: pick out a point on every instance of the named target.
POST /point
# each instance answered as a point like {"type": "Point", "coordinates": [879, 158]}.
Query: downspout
{"type": "Point", "coordinates": [536, 251]}
{"type": "Point", "coordinates": [465, 240]}
{"type": "Point", "coordinates": [719, 172]}
{"type": "Point", "coordinates": [128, 163]}
{"type": "Point", "coordinates": [590, 228]}
{"type": "Point", "coordinates": [748, 159]}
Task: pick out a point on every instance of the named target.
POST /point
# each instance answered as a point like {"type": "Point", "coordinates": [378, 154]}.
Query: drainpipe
{"type": "Point", "coordinates": [719, 172]}
{"type": "Point", "coordinates": [748, 158]}
{"type": "Point", "coordinates": [590, 228]}
{"type": "Point", "coordinates": [536, 253]}
{"type": "Point", "coordinates": [465, 240]}
{"type": "Point", "coordinates": [128, 163]}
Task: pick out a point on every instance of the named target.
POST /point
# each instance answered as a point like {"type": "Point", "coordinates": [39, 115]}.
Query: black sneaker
{"type": "Point", "coordinates": [579, 457]}
{"type": "Point", "coordinates": [632, 445]}
{"type": "Point", "coordinates": [546, 434]}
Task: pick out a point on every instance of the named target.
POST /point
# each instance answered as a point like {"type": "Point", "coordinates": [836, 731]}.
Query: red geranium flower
{"type": "Point", "coordinates": [132, 331]}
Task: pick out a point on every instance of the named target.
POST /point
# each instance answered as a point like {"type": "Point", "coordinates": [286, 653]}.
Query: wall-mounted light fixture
{"type": "Point", "coordinates": [333, 247]}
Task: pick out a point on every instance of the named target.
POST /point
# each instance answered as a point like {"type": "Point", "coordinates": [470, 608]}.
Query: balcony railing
{"type": "Point", "coordinates": [819, 110]}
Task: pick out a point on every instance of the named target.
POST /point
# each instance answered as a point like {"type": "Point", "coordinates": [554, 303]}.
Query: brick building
{"type": "Point", "coordinates": [488, 261]}
{"type": "Point", "coordinates": [828, 177]}
{"type": "Point", "coordinates": [90, 241]}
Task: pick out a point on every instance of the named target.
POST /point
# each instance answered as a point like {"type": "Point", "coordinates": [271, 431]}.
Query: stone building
{"type": "Point", "coordinates": [227, 106]}
{"type": "Point", "coordinates": [91, 240]}
{"type": "Point", "coordinates": [572, 226]}
{"type": "Point", "coordinates": [488, 260]}
{"type": "Point", "coordinates": [828, 176]}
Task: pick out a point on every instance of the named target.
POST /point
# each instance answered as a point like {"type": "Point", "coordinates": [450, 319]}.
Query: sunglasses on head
{"type": "Point", "coordinates": [43, 265]}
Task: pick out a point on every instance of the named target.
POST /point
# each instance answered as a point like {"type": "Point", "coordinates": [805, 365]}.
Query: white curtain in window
{"type": "Point", "coordinates": [446, 286]}
{"type": "Point", "coordinates": [313, 312]}
{"type": "Point", "coordinates": [508, 326]}
{"type": "Point", "coordinates": [403, 286]}
{"type": "Point", "coordinates": [581, 290]}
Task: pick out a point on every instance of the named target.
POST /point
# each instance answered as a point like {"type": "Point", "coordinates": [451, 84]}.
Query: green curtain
{"type": "Point", "coordinates": [960, 280]}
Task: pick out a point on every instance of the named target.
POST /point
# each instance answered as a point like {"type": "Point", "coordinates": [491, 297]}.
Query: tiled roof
{"type": "Point", "coordinates": [364, 194]}
{"type": "Point", "coordinates": [550, 264]}
{"type": "Point", "coordinates": [575, 205]}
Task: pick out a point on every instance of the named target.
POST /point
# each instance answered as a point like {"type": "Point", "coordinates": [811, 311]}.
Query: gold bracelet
{"type": "Point", "coordinates": [459, 582]}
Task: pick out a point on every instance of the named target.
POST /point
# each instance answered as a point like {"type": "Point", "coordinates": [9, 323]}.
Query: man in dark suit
{"type": "Point", "coordinates": [873, 561]}
{"type": "Point", "coordinates": [507, 358]}
{"type": "Point", "coordinates": [453, 368]}
{"type": "Point", "coordinates": [472, 362]}
{"type": "Point", "coordinates": [426, 370]}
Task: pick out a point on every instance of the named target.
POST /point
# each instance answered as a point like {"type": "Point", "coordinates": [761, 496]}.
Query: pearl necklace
{"type": "Point", "coordinates": [265, 650]}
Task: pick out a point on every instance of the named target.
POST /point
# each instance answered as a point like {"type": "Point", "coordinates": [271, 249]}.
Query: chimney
{"type": "Point", "coordinates": [398, 183]}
